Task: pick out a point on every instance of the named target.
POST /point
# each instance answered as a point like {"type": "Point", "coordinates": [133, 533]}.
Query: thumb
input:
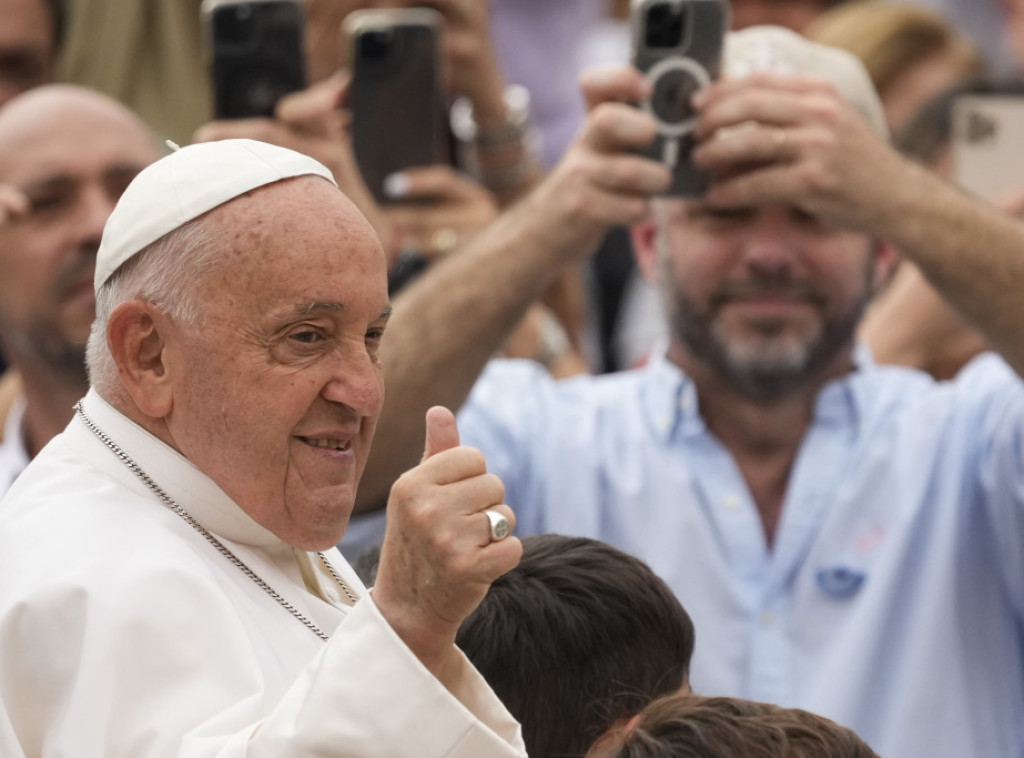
{"type": "Point", "coordinates": [306, 107]}
{"type": "Point", "coordinates": [442, 433]}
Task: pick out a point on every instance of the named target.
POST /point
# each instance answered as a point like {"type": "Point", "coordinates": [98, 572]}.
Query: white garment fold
{"type": "Point", "coordinates": [124, 633]}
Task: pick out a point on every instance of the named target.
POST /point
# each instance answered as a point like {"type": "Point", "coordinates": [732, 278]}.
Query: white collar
{"type": "Point", "coordinates": [174, 473]}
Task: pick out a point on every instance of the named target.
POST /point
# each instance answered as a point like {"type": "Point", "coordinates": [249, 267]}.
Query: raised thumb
{"type": "Point", "coordinates": [442, 432]}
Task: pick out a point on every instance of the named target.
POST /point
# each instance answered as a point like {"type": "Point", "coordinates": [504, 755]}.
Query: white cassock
{"type": "Point", "coordinates": [123, 632]}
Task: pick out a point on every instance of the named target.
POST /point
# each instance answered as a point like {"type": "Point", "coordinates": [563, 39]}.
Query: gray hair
{"type": "Point", "coordinates": [166, 273]}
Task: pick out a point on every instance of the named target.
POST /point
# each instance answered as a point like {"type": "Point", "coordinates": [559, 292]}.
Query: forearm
{"type": "Point", "coordinates": [447, 325]}
{"type": "Point", "coordinates": [910, 324]}
{"type": "Point", "coordinates": [338, 706]}
{"type": "Point", "coordinates": [444, 329]}
{"type": "Point", "coordinates": [971, 253]}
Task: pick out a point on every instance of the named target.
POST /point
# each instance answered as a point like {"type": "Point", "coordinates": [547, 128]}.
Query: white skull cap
{"type": "Point", "coordinates": [773, 48]}
{"type": "Point", "coordinates": [186, 184]}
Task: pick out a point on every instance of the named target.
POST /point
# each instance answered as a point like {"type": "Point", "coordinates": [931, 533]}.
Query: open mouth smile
{"type": "Point", "coordinates": [328, 444]}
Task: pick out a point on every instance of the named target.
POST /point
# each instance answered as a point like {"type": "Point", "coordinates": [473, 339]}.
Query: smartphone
{"type": "Point", "coordinates": [678, 44]}
{"type": "Point", "coordinates": [257, 54]}
{"type": "Point", "coordinates": [988, 143]}
{"type": "Point", "coordinates": [398, 105]}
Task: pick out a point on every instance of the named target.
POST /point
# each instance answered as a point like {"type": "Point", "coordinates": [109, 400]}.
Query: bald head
{"type": "Point", "coordinates": [71, 152]}
{"type": "Point", "coordinates": [65, 114]}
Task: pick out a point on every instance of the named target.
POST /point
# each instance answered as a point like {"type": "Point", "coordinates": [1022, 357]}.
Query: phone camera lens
{"type": "Point", "coordinates": [376, 44]}
{"type": "Point", "coordinates": [670, 100]}
{"type": "Point", "coordinates": [234, 24]}
{"type": "Point", "coordinates": [664, 26]}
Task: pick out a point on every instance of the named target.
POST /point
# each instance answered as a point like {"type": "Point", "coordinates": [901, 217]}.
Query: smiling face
{"type": "Point", "coordinates": [277, 388]}
{"type": "Point", "coordinates": [766, 299]}
{"type": "Point", "coordinates": [72, 152]}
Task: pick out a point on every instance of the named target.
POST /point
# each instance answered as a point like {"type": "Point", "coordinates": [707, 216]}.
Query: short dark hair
{"type": "Point", "coordinates": [689, 726]}
{"type": "Point", "coordinates": [578, 636]}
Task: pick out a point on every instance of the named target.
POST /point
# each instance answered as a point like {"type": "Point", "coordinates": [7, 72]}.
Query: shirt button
{"type": "Point", "coordinates": [765, 618]}
{"type": "Point", "coordinates": [731, 502]}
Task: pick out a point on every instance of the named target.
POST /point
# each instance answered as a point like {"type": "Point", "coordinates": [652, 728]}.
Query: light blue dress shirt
{"type": "Point", "coordinates": [892, 599]}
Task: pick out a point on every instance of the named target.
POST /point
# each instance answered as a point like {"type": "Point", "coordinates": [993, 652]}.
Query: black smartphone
{"type": "Point", "coordinates": [257, 54]}
{"type": "Point", "coordinates": [398, 105]}
{"type": "Point", "coordinates": [679, 45]}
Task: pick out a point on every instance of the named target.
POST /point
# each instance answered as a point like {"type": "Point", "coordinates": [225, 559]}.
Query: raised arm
{"type": "Point", "coordinates": [448, 323]}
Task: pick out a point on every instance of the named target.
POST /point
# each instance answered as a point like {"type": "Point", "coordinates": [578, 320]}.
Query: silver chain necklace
{"type": "Point", "coordinates": [220, 546]}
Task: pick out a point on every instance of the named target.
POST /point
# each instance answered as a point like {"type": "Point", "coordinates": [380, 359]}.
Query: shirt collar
{"type": "Point", "coordinates": [672, 406]}
{"type": "Point", "coordinates": [176, 475]}
{"type": "Point", "coordinates": [13, 447]}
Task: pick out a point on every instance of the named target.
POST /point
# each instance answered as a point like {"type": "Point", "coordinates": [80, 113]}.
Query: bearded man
{"type": "Point", "coordinates": [846, 536]}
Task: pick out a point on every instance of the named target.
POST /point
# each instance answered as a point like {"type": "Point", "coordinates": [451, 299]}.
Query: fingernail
{"type": "Point", "coordinates": [396, 185]}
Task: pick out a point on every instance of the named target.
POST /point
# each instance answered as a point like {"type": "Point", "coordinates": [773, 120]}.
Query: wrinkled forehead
{"type": "Point", "coordinates": [299, 228]}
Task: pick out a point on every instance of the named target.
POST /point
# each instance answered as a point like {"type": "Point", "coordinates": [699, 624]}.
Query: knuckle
{"type": "Point", "coordinates": [576, 202]}
{"type": "Point", "coordinates": [606, 118]}
{"type": "Point", "coordinates": [825, 109]}
{"type": "Point", "coordinates": [635, 210]}
{"type": "Point", "coordinates": [496, 487]}
{"type": "Point", "coordinates": [474, 459]}
{"type": "Point", "coordinates": [814, 176]}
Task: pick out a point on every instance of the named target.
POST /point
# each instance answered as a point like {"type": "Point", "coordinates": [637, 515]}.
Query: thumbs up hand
{"type": "Point", "coordinates": [439, 557]}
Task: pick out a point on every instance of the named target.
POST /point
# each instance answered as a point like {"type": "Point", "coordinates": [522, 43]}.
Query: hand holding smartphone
{"type": "Point", "coordinates": [398, 105]}
{"type": "Point", "coordinates": [257, 54]}
{"type": "Point", "coordinates": [678, 44]}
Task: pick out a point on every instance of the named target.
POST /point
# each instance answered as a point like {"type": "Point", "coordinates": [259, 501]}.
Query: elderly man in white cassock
{"type": "Point", "coordinates": [168, 585]}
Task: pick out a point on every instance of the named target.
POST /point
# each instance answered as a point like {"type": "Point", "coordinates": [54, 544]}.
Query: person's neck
{"type": "Point", "coordinates": [50, 398]}
{"type": "Point", "coordinates": [763, 435]}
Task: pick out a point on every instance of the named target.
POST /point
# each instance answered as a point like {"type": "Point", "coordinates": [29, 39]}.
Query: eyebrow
{"type": "Point", "coordinates": [118, 171]}
{"type": "Point", "coordinates": [304, 309]}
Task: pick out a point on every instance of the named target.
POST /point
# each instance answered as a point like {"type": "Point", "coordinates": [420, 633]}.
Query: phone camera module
{"type": "Point", "coordinates": [234, 23]}
{"type": "Point", "coordinates": [664, 28]}
{"type": "Point", "coordinates": [375, 44]}
{"type": "Point", "coordinates": [673, 91]}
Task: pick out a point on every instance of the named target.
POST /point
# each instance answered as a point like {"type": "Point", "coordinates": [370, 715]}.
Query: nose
{"type": "Point", "coordinates": [356, 381]}
{"type": "Point", "coordinates": [770, 244]}
{"type": "Point", "coordinates": [95, 207]}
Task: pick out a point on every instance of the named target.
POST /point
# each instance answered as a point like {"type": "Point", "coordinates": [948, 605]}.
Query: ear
{"type": "Point", "coordinates": [136, 336]}
{"type": "Point", "coordinates": [886, 259]}
{"type": "Point", "coordinates": [644, 237]}
{"type": "Point", "coordinates": [611, 741]}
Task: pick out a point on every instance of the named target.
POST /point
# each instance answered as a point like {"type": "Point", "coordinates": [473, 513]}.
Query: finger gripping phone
{"type": "Point", "coordinates": [257, 54]}
{"type": "Point", "coordinates": [678, 44]}
{"type": "Point", "coordinates": [399, 111]}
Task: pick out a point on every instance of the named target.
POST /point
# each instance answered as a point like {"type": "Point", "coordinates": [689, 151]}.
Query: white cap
{"type": "Point", "coordinates": [772, 48]}
{"type": "Point", "coordinates": [186, 184]}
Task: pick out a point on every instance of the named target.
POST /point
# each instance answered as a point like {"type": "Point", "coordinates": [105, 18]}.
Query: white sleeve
{"type": "Point", "coordinates": [158, 662]}
{"type": "Point", "coordinates": [366, 694]}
